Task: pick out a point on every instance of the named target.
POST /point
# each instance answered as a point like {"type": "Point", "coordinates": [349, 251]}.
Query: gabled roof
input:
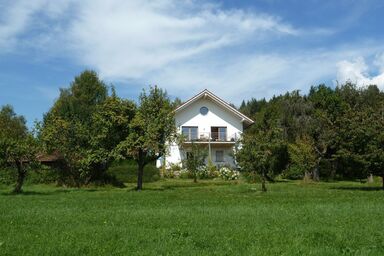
{"type": "Point", "coordinates": [207, 94]}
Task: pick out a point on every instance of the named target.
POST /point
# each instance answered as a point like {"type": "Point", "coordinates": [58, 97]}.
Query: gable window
{"type": "Point", "coordinates": [219, 133]}
{"type": "Point", "coordinates": [219, 156]}
{"type": "Point", "coordinates": [203, 111]}
{"type": "Point", "coordinates": [190, 132]}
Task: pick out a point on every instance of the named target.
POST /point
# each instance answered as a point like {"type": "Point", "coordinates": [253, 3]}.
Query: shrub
{"type": "Point", "coordinates": [251, 177]}
{"type": "Point", "coordinates": [228, 173]}
{"type": "Point", "coordinates": [213, 171]}
{"type": "Point", "coordinates": [7, 176]}
{"type": "Point", "coordinates": [293, 173]}
{"type": "Point", "coordinates": [172, 172]}
{"type": "Point", "coordinates": [126, 171]}
{"type": "Point", "coordinates": [43, 175]}
{"type": "Point", "coordinates": [184, 174]}
{"type": "Point", "coordinates": [203, 172]}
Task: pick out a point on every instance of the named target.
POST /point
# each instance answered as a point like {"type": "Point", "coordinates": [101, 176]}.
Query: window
{"type": "Point", "coordinates": [203, 111]}
{"type": "Point", "coordinates": [219, 133]}
{"type": "Point", "coordinates": [219, 156]}
{"type": "Point", "coordinates": [190, 132]}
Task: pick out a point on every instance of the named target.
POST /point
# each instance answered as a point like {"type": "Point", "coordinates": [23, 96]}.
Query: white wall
{"type": "Point", "coordinates": [216, 116]}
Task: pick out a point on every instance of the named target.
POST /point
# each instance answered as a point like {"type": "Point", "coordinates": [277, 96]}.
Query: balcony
{"type": "Point", "coordinates": [211, 137]}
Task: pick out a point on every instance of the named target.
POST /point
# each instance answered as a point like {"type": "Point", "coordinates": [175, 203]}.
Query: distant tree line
{"type": "Point", "coordinates": [330, 133]}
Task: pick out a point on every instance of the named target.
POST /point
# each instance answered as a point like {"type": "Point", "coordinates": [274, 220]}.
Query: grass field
{"type": "Point", "coordinates": [181, 218]}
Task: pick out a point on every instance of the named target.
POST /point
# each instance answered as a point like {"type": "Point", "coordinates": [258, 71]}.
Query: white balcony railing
{"type": "Point", "coordinates": [212, 137]}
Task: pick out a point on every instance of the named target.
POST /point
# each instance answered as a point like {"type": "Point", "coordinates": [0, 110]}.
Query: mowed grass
{"type": "Point", "coordinates": [177, 217]}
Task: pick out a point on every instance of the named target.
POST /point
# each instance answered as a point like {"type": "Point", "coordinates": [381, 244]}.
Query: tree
{"type": "Point", "coordinates": [257, 152]}
{"type": "Point", "coordinates": [327, 106]}
{"type": "Point", "coordinates": [150, 130]}
{"type": "Point", "coordinates": [110, 126]}
{"type": "Point", "coordinates": [18, 147]}
{"type": "Point", "coordinates": [303, 155]}
{"type": "Point", "coordinates": [195, 158]}
{"type": "Point", "coordinates": [72, 128]}
{"type": "Point", "coordinates": [361, 142]}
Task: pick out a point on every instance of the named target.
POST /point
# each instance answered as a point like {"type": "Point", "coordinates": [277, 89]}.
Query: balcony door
{"type": "Point", "coordinates": [189, 132]}
{"type": "Point", "coordinates": [218, 133]}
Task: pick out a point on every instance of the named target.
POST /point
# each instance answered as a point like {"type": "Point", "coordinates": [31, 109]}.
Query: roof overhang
{"type": "Point", "coordinates": [207, 94]}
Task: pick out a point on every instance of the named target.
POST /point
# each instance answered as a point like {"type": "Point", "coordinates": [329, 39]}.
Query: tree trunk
{"type": "Point", "coordinates": [333, 170]}
{"type": "Point", "coordinates": [316, 175]}
{"type": "Point", "coordinates": [263, 187]}
{"type": "Point", "coordinates": [20, 178]}
{"type": "Point", "coordinates": [195, 177]}
{"type": "Point", "coordinates": [140, 172]}
{"type": "Point", "coordinates": [307, 177]}
{"type": "Point", "coordinates": [370, 178]}
{"type": "Point", "coordinates": [382, 177]}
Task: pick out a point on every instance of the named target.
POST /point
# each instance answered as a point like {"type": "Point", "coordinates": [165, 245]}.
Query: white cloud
{"type": "Point", "coordinates": [183, 46]}
{"type": "Point", "coordinates": [357, 71]}
{"type": "Point", "coordinates": [19, 19]}
{"type": "Point", "coordinates": [128, 39]}
{"type": "Point", "coordinates": [15, 18]}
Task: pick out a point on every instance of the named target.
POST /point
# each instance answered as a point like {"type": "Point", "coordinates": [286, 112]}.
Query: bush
{"type": "Point", "coordinates": [212, 170]}
{"type": "Point", "coordinates": [228, 173]}
{"type": "Point", "coordinates": [208, 172]}
{"type": "Point", "coordinates": [173, 171]}
{"type": "Point", "coordinates": [203, 172]}
{"type": "Point", "coordinates": [184, 174]}
{"type": "Point", "coordinates": [7, 176]}
{"type": "Point", "coordinates": [126, 171]}
{"type": "Point", "coordinates": [293, 172]}
{"type": "Point", "coordinates": [251, 177]}
{"type": "Point", "coordinates": [43, 175]}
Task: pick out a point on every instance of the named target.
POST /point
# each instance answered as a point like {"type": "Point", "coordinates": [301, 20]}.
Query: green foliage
{"type": "Point", "coordinates": [212, 170]}
{"type": "Point", "coordinates": [228, 173]}
{"type": "Point", "coordinates": [302, 156]}
{"type": "Point", "coordinates": [195, 160]}
{"type": "Point", "coordinates": [18, 147]}
{"type": "Point", "coordinates": [151, 128]}
{"type": "Point", "coordinates": [126, 171]}
{"type": "Point", "coordinates": [343, 124]}
{"type": "Point", "coordinates": [256, 154]}
{"type": "Point", "coordinates": [42, 175]}
{"type": "Point", "coordinates": [84, 126]}
{"type": "Point", "coordinates": [8, 176]}
{"type": "Point", "coordinates": [173, 171]}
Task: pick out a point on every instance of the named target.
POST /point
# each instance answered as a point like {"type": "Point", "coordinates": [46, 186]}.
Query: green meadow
{"type": "Point", "coordinates": [178, 217]}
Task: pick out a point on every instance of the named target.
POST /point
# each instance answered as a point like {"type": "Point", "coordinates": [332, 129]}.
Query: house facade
{"type": "Point", "coordinates": [209, 121]}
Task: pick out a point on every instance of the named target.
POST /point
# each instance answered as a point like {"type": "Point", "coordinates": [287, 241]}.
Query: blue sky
{"type": "Point", "coordinates": [237, 49]}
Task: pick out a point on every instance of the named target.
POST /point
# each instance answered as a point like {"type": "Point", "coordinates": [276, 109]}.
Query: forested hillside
{"type": "Point", "coordinates": [330, 133]}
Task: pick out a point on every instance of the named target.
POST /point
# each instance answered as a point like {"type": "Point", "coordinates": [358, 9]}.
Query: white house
{"type": "Point", "coordinates": [209, 121]}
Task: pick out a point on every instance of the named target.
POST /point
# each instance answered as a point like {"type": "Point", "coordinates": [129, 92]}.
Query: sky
{"type": "Point", "coordinates": [237, 49]}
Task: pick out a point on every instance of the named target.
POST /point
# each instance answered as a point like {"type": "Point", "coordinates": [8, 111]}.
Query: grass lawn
{"type": "Point", "coordinates": [177, 217]}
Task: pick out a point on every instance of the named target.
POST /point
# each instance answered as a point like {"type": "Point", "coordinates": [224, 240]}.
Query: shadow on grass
{"type": "Point", "coordinates": [49, 192]}
{"type": "Point", "coordinates": [179, 185]}
{"type": "Point", "coordinates": [359, 188]}
{"type": "Point", "coordinates": [34, 193]}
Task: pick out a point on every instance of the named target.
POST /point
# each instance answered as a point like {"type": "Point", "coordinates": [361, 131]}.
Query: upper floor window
{"type": "Point", "coordinates": [190, 132]}
{"type": "Point", "coordinates": [219, 133]}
